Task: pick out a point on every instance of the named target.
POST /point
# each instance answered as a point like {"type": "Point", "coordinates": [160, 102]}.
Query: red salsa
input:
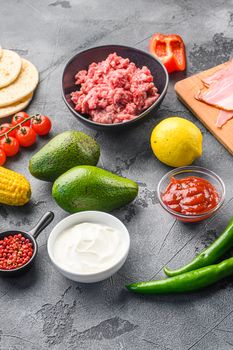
{"type": "Point", "coordinates": [190, 195]}
{"type": "Point", "coordinates": [15, 251]}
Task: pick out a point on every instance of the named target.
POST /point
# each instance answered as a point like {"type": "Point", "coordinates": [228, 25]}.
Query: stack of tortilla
{"type": "Point", "coordinates": [18, 81]}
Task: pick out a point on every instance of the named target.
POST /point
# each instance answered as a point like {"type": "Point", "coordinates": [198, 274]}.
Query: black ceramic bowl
{"type": "Point", "coordinates": [96, 54]}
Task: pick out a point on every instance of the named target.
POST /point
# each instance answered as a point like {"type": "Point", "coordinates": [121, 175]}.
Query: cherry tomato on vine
{"type": "Point", "coordinates": [41, 124]}
{"type": "Point", "coordinates": [19, 118]}
{"type": "Point", "coordinates": [2, 157]}
{"type": "Point", "coordinates": [5, 127]}
{"type": "Point", "coordinates": [9, 145]}
{"type": "Point", "coordinates": [26, 136]}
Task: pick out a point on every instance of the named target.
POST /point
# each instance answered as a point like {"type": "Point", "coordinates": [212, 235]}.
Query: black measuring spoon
{"type": "Point", "coordinates": [31, 235]}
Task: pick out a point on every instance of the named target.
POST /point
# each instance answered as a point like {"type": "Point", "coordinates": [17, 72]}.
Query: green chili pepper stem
{"type": "Point", "coordinates": [186, 282]}
{"type": "Point", "coordinates": [210, 255]}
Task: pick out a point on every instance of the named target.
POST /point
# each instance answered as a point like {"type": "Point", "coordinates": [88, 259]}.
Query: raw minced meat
{"type": "Point", "coordinates": [114, 90]}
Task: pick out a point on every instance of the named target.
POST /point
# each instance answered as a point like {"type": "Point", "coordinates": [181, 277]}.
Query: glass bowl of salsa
{"type": "Point", "coordinates": [191, 193]}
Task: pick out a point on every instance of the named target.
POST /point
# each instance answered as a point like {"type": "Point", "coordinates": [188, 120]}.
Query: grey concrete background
{"type": "Point", "coordinates": [43, 310]}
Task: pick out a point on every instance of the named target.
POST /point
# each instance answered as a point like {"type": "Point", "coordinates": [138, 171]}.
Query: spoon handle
{"type": "Point", "coordinates": [42, 224]}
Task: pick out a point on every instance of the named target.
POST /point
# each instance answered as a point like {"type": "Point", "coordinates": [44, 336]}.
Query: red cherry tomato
{"type": "Point", "coordinates": [26, 136]}
{"type": "Point", "coordinates": [19, 118]}
{"type": "Point", "coordinates": [5, 127]}
{"type": "Point", "coordinates": [9, 145]}
{"type": "Point", "coordinates": [41, 124]}
{"type": "Point", "coordinates": [2, 157]}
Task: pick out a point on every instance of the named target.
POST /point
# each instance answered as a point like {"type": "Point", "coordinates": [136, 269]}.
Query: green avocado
{"type": "Point", "coordinates": [62, 153]}
{"type": "Point", "coordinates": [91, 188]}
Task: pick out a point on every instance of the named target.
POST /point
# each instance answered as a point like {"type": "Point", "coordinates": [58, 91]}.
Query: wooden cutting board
{"type": "Point", "coordinates": [186, 90]}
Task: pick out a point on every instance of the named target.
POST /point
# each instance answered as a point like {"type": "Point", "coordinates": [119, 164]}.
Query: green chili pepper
{"type": "Point", "coordinates": [210, 255]}
{"type": "Point", "coordinates": [186, 282]}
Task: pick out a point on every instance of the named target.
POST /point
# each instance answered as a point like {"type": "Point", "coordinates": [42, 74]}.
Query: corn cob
{"type": "Point", "coordinates": [14, 188]}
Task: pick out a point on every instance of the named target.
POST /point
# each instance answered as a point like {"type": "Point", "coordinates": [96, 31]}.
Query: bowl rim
{"type": "Point", "coordinates": [95, 213]}
{"type": "Point", "coordinates": [195, 169]}
{"type": "Point", "coordinates": [141, 115]}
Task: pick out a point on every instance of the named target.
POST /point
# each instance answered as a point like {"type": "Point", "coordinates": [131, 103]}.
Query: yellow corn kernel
{"type": "Point", "coordinates": [14, 188]}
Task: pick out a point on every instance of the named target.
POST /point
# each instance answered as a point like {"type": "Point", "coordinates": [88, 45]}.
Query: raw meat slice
{"type": "Point", "coordinates": [219, 94]}
{"type": "Point", "coordinates": [223, 118]}
{"type": "Point", "coordinates": [218, 75]}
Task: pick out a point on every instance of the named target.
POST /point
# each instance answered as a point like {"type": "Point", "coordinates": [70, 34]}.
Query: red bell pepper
{"type": "Point", "coordinates": [170, 50]}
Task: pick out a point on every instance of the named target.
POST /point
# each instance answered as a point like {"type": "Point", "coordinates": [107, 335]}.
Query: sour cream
{"type": "Point", "coordinates": [89, 248]}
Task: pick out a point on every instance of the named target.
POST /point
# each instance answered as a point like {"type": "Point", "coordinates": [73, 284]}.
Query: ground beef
{"type": "Point", "coordinates": [114, 90]}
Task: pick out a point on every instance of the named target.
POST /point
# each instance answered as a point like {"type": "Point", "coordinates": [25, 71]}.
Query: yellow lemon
{"type": "Point", "coordinates": [176, 142]}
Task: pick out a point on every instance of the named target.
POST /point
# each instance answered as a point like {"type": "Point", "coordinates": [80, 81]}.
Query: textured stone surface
{"type": "Point", "coordinates": [43, 310]}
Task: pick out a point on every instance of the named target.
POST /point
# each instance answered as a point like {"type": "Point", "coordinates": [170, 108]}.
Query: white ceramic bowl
{"type": "Point", "coordinates": [93, 217]}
